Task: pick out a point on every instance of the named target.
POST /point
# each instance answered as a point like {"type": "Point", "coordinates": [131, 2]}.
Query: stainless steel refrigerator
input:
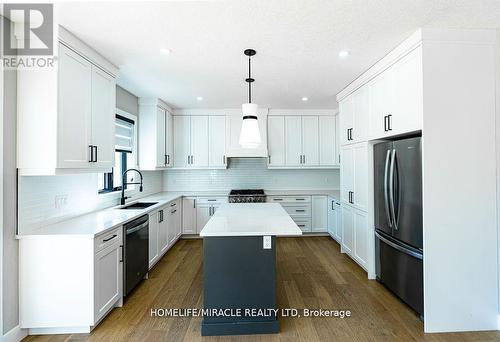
{"type": "Point", "coordinates": [398, 219]}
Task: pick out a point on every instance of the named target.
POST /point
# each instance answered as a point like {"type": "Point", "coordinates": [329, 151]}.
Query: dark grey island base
{"type": "Point", "coordinates": [239, 274]}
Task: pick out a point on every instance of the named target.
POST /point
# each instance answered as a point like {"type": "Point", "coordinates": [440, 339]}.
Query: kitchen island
{"type": "Point", "coordinates": [239, 268]}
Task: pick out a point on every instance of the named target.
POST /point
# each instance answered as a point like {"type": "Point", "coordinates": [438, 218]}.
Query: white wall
{"type": "Point", "coordinates": [246, 173]}
{"type": "Point", "coordinates": [459, 183]}
{"type": "Point", "coordinates": [498, 149]}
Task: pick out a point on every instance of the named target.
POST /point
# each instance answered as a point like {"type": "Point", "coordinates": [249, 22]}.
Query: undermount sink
{"type": "Point", "coordinates": [139, 205]}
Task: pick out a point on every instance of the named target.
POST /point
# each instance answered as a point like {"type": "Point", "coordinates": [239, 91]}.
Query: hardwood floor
{"type": "Point", "coordinates": [312, 273]}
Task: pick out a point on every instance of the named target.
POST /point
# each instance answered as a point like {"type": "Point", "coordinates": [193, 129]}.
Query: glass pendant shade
{"type": "Point", "coordinates": [250, 134]}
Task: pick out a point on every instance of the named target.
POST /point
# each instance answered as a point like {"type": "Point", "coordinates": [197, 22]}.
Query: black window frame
{"type": "Point", "coordinates": [109, 176]}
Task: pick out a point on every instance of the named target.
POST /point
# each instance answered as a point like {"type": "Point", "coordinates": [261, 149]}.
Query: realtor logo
{"type": "Point", "coordinates": [32, 33]}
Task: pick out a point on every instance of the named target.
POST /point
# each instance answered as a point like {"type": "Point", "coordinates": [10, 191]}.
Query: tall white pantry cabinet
{"type": "Point", "coordinates": [65, 116]}
{"type": "Point", "coordinates": [440, 83]}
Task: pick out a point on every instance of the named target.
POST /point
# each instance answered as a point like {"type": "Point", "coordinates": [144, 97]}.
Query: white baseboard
{"type": "Point", "coordinates": [16, 334]}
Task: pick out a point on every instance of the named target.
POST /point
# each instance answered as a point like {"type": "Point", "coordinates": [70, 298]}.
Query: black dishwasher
{"type": "Point", "coordinates": [136, 247]}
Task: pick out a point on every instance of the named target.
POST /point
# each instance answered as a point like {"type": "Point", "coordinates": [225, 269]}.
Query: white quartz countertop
{"type": "Point", "coordinates": [250, 219]}
{"type": "Point", "coordinates": [332, 193]}
{"type": "Point", "coordinates": [99, 222]}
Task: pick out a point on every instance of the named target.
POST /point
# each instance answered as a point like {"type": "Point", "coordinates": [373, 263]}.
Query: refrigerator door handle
{"type": "Point", "coordinates": [386, 196]}
{"type": "Point", "coordinates": [391, 190]}
{"type": "Point", "coordinates": [399, 248]}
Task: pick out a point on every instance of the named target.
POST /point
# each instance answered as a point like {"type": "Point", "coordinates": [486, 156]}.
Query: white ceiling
{"type": "Point", "coordinates": [297, 43]}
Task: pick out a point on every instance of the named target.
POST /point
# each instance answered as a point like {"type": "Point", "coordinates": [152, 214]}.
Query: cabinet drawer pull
{"type": "Point", "coordinates": [95, 155]}
{"type": "Point", "coordinates": [212, 200]}
{"type": "Point", "coordinates": [300, 199]}
{"type": "Point", "coordinates": [277, 199]}
{"type": "Point", "coordinates": [91, 157]}
{"type": "Point", "coordinates": [385, 123]}
{"type": "Point", "coordinates": [173, 204]}
{"type": "Point", "coordinates": [110, 238]}
{"type": "Point", "coordinates": [389, 122]}
{"type": "Point", "coordinates": [299, 210]}
{"type": "Point", "coordinates": [173, 211]}
{"type": "Point", "coordinates": [301, 225]}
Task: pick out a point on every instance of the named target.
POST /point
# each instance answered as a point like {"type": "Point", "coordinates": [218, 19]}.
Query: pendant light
{"type": "Point", "coordinates": [250, 134]}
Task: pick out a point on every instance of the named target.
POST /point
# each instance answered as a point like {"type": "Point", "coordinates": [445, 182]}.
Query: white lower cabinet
{"type": "Point", "coordinates": [334, 220]}
{"type": "Point", "coordinates": [347, 229]}
{"type": "Point", "coordinates": [360, 238]}
{"type": "Point", "coordinates": [164, 230]}
{"type": "Point", "coordinates": [355, 234]}
{"type": "Point", "coordinates": [154, 227]}
{"type": "Point", "coordinates": [319, 215]}
{"type": "Point", "coordinates": [189, 215]}
{"type": "Point", "coordinates": [108, 279]}
{"type": "Point", "coordinates": [206, 207]}
{"type": "Point", "coordinates": [68, 283]}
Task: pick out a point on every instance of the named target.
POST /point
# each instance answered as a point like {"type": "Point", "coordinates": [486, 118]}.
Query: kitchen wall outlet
{"type": "Point", "coordinates": [60, 201]}
{"type": "Point", "coordinates": [267, 242]}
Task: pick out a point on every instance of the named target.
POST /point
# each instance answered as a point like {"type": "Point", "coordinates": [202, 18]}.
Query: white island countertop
{"type": "Point", "coordinates": [250, 219]}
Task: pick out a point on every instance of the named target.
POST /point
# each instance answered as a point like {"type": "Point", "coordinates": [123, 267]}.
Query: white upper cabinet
{"type": "Point", "coordinates": [396, 98]}
{"type": "Point", "coordinates": [327, 141]}
{"type": "Point", "coordinates": [346, 120]}
{"type": "Point", "coordinates": [310, 141]}
{"type": "Point", "coordinates": [155, 135]}
{"type": "Point", "coordinates": [75, 109]}
{"type": "Point", "coordinates": [182, 141]}
{"type": "Point", "coordinates": [354, 117]}
{"type": "Point", "coordinates": [161, 160]}
{"type": "Point", "coordinates": [297, 141]}
{"type": "Point", "coordinates": [353, 175]}
{"type": "Point", "coordinates": [103, 124]}
{"type": "Point", "coordinates": [217, 140]}
{"type": "Point", "coordinates": [199, 141]}
{"type": "Point", "coordinates": [69, 126]}
{"type": "Point", "coordinates": [293, 138]}
{"type": "Point", "coordinates": [169, 139]}
{"type": "Point", "coordinates": [408, 94]}
{"type": "Point", "coordinates": [276, 140]}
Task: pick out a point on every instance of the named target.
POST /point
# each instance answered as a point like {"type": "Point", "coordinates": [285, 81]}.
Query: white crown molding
{"type": "Point", "coordinates": [421, 36]}
{"type": "Point", "coordinates": [153, 101]}
{"type": "Point", "coordinates": [79, 46]}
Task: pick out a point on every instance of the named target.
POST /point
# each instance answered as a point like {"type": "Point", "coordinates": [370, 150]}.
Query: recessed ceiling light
{"type": "Point", "coordinates": [305, 99]}
{"type": "Point", "coordinates": [199, 98]}
{"type": "Point", "coordinates": [165, 51]}
{"type": "Point", "coordinates": [343, 54]}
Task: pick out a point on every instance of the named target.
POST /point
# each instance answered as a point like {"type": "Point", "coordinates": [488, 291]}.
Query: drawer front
{"type": "Point", "coordinates": [110, 238]}
{"type": "Point", "coordinates": [289, 199]}
{"type": "Point", "coordinates": [211, 200]}
{"type": "Point", "coordinates": [174, 205]}
{"type": "Point", "coordinates": [304, 224]}
{"type": "Point", "coordinates": [298, 210]}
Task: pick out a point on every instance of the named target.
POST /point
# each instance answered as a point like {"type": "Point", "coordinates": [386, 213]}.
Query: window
{"type": "Point", "coordinates": [124, 155]}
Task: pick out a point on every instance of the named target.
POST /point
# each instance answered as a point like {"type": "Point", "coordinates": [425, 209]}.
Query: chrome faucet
{"type": "Point", "coordinates": [124, 182]}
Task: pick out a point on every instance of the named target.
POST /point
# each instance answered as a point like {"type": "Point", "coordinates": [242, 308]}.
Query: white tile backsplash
{"type": "Point", "coordinates": [75, 195]}
{"type": "Point", "coordinates": [48, 199]}
{"type": "Point", "coordinates": [250, 173]}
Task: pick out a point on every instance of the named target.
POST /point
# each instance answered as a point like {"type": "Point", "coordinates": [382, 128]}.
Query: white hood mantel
{"type": "Point", "coordinates": [234, 120]}
{"type": "Point", "coordinates": [233, 148]}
